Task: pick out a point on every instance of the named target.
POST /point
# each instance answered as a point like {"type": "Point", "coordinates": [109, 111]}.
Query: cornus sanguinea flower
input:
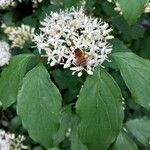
{"type": "Point", "coordinates": [117, 6]}
{"type": "Point", "coordinates": [6, 3]}
{"type": "Point", "coordinates": [11, 142]}
{"type": "Point", "coordinates": [147, 7]}
{"type": "Point", "coordinates": [74, 40]}
{"type": "Point", "coordinates": [4, 53]}
{"type": "Point", "coordinates": [18, 35]}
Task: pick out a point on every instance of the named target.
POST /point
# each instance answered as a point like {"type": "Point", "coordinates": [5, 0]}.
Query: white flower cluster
{"type": "Point", "coordinates": [4, 53]}
{"type": "Point", "coordinates": [19, 35]}
{"type": "Point", "coordinates": [74, 40]}
{"type": "Point", "coordinates": [10, 142]}
{"type": "Point", "coordinates": [6, 3]}
{"type": "Point", "coordinates": [147, 7]}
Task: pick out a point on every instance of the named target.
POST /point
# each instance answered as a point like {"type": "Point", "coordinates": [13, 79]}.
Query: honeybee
{"type": "Point", "coordinates": [80, 57]}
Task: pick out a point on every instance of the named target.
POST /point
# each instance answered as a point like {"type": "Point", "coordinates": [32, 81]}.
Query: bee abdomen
{"type": "Point", "coordinates": [81, 62]}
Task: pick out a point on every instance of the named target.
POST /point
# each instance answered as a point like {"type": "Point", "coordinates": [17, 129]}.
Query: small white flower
{"type": "Point", "coordinates": [117, 6]}
{"type": "Point", "coordinates": [90, 72]}
{"type": "Point", "coordinates": [4, 53]}
{"type": "Point", "coordinates": [10, 142]}
{"type": "Point", "coordinates": [6, 3]}
{"type": "Point", "coordinates": [110, 1]}
{"type": "Point", "coordinates": [19, 35]}
{"type": "Point", "coordinates": [68, 132]}
{"type": "Point", "coordinates": [147, 7]}
{"type": "Point", "coordinates": [65, 31]}
{"type": "Point", "coordinates": [124, 129]}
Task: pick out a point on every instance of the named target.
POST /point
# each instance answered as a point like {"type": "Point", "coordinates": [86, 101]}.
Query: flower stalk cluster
{"type": "Point", "coordinates": [19, 35]}
{"type": "Point", "coordinates": [147, 7]}
{"type": "Point", "coordinates": [4, 53]}
{"type": "Point", "coordinates": [4, 4]}
{"type": "Point", "coordinates": [9, 141]}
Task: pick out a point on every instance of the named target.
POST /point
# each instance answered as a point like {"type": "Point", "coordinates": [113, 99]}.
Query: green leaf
{"type": "Point", "coordinates": [65, 123]}
{"type": "Point", "coordinates": [129, 32]}
{"type": "Point", "coordinates": [54, 148]}
{"type": "Point", "coordinates": [70, 3]}
{"type": "Point", "coordinates": [108, 9]}
{"type": "Point", "coordinates": [140, 129]}
{"type": "Point", "coordinates": [99, 108]}
{"type": "Point", "coordinates": [76, 143]}
{"type": "Point", "coordinates": [90, 5]}
{"type": "Point", "coordinates": [145, 45]}
{"type": "Point", "coordinates": [70, 84]}
{"type": "Point", "coordinates": [136, 74]}
{"type": "Point", "coordinates": [11, 78]}
{"type": "Point", "coordinates": [118, 46]}
{"type": "Point", "coordinates": [39, 106]}
{"type": "Point", "coordinates": [15, 123]}
{"type": "Point", "coordinates": [8, 18]}
{"type": "Point", "coordinates": [46, 9]}
{"type": "Point", "coordinates": [124, 142]}
{"type": "Point", "coordinates": [37, 148]}
{"type": "Point", "coordinates": [132, 9]}
{"type": "Point", "coordinates": [65, 79]}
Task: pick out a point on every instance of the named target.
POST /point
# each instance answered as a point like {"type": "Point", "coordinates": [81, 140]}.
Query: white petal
{"type": "Point", "coordinates": [66, 65]}
{"type": "Point", "coordinates": [52, 64]}
{"type": "Point", "coordinates": [89, 72]}
{"type": "Point", "coordinates": [79, 74]}
{"type": "Point", "coordinates": [73, 68]}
